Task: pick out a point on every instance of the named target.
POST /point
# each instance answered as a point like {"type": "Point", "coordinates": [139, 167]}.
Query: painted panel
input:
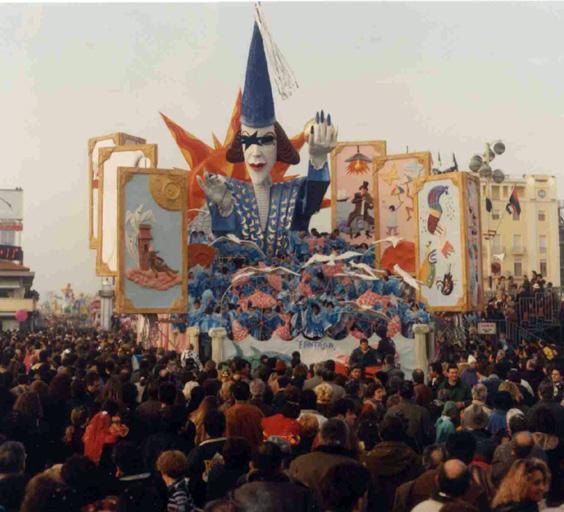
{"type": "Point", "coordinates": [109, 159]}
{"type": "Point", "coordinates": [396, 179]}
{"type": "Point", "coordinates": [441, 257]}
{"type": "Point", "coordinates": [94, 144]}
{"type": "Point", "coordinates": [351, 189]}
{"type": "Point", "coordinates": [473, 241]}
{"type": "Point", "coordinates": [152, 250]}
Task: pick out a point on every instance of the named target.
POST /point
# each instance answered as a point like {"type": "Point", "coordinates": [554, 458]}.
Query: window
{"type": "Point", "coordinates": [516, 242]}
{"type": "Point", "coordinates": [497, 243]}
{"type": "Point", "coordinates": [541, 216]}
{"type": "Point", "coordinates": [517, 267]}
{"type": "Point", "coordinates": [495, 214]}
{"type": "Point", "coordinates": [504, 192]}
{"type": "Point", "coordinates": [543, 268]}
{"type": "Point", "coordinates": [542, 244]}
{"type": "Point", "coordinates": [495, 192]}
{"type": "Point", "coordinates": [520, 192]}
{"type": "Point", "coordinates": [8, 237]}
{"type": "Point", "coordinates": [516, 215]}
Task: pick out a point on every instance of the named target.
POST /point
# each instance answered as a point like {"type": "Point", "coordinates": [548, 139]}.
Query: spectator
{"type": "Point", "coordinates": [364, 356]}
{"type": "Point", "coordinates": [12, 477]}
{"type": "Point", "coordinates": [345, 488]}
{"type": "Point", "coordinates": [173, 466]}
{"type": "Point", "coordinates": [459, 392]}
{"type": "Point", "coordinates": [242, 419]}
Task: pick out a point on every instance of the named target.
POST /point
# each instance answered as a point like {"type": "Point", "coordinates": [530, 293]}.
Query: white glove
{"type": "Point", "coordinates": [322, 139]}
{"type": "Point", "coordinates": [217, 192]}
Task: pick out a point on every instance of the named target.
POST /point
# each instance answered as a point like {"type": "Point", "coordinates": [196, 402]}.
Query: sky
{"type": "Point", "coordinates": [440, 77]}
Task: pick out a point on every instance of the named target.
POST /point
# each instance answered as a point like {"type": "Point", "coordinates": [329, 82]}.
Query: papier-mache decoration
{"type": "Point", "coordinates": [94, 144]}
{"type": "Point", "coordinates": [266, 208]}
{"type": "Point", "coordinates": [448, 254]}
{"type": "Point", "coordinates": [109, 159]}
{"type": "Point", "coordinates": [152, 234]}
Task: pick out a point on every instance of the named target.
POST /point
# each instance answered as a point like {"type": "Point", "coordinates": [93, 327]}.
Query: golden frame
{"type": "Point", "coordinates": [119, 139]}
{"type": "Point", "coordinates": [150, 151]}
{"type": "Point", "coordinates": [378, 145]}
{"type": "Point", "coordinates": [424, 158]}
{"type": "Point", "coordinates": [123, 304]}
{"type": "Point", "coordinates": [460, 179]}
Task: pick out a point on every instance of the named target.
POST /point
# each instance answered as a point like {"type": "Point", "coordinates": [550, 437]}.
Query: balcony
{"type": "Point", "coordinates": [13, 305]}
{"type": "Point", "coordinates": [517, 250]}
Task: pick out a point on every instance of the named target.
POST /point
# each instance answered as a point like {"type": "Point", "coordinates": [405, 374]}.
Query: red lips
{"type": "Point", "coordinates": [257, 167]}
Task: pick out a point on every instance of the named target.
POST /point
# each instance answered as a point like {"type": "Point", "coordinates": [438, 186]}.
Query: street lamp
{"type": "Point", "coordinates": [481, 164]}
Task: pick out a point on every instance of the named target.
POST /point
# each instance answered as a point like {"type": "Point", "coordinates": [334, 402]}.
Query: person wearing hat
{"type": "Point", "coordinates": [470, 375]}
{"type": "Point", "coordinates": [363, 203]}
{"type": "Point", "coordinates": [260, 210]}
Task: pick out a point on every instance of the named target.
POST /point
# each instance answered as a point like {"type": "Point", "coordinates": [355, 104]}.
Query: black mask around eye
{"type": "Point", "coordinates": [248, 140]}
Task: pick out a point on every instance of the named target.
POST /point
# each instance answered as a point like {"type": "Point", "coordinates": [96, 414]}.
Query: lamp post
{"type": "Point", "coordinates": [480, 164]}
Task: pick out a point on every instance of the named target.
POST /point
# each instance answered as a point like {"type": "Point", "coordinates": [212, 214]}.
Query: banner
{"type": "Point", "coordinates": [11, 226]}
{"type": "Point", "coordinates": [11, 252]}
{"type": "Point", "coordinates": [313, 351]}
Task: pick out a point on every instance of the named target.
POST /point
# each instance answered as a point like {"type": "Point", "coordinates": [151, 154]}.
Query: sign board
{"type": "Point", "coordinates": [11, 252]}
{"type": "Point", "coordinates": [11, 226]}
{"type": "Point", "coordinates": [11, 204]}
{"type": "Point", "coordinates": [487, 328]}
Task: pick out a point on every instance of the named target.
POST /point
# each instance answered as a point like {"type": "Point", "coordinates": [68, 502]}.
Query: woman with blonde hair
{"type": "Point", "coordinates": [197, 417]}
{"type": "Point", "coordinates": [523, 487]}
{"type": "Point", "coordinates": [324, 394]}
{"type": "Point", "coordinates": [513, 390]}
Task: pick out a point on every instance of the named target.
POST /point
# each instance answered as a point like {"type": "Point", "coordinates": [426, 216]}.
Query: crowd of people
{"type": "Point", "coordinates": [89, 422]}
{"type": "Point", "coordinates": [313, 300]}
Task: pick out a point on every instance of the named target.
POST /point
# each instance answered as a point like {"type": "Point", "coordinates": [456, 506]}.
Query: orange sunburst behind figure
{"type": "Point", "coordinates": [199, 157]}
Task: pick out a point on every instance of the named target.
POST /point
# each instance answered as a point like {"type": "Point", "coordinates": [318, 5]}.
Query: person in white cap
{"type": "Point", "coordinates": [470, 375]}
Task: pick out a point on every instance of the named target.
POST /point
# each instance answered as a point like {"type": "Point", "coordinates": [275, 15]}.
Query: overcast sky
{"type": "Point", "coordinates": [432, 76]}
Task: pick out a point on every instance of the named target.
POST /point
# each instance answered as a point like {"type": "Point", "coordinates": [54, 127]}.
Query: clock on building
{"type": "Point", "coordinates": [541, 193]}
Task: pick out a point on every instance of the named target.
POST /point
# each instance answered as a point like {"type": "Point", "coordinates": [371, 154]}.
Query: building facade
{"type": "Point", "coordinates": [526, 242]}
{"type": "Point", "coordinates": [16, 295]}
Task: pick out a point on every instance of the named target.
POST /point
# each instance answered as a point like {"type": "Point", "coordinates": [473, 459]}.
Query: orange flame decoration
{"type": "Point", "coordinates": [357, 167]}
{"type": "Point", "coordinates": [200, 156]}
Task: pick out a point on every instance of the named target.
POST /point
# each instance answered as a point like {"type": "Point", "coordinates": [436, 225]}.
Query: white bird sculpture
{"type": "Point", "coordinates": [408, 278]}
{"type": "Point", "coordinates": [367, 269]}
{"type": "Point", "coordinates": [236, 240]}
{"type": "Point", "coordinates": [332, 258]}
{"type": "Point", "coordinates": [394, 240]}
{"type": "Point", "coordinates": [499, 257]}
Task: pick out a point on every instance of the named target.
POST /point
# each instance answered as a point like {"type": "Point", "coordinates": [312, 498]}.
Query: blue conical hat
{"type": "Point", "coordinates": [257, 108]}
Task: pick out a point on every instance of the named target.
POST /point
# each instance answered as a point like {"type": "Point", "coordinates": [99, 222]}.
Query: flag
{"type": "Point", "coordinates": [513, 206]}
{"type": "Point", "coordinates": [489, 204]}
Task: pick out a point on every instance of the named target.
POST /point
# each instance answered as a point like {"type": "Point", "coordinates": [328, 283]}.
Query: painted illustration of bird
{"type": "Point", "coordinates": [428, 270]}
{"type": "Point", "coordinates": [134, 219]}
{"type": "Point", "coordinates": [407, 278]}
{"type": "Point", "coordinates": [394, 240]}
{"type": "Point", "coordinates": [435, 208]}
{"type": "Point", "coordinates": [332, 258]}
{"type": "Point", "coordinates": [247, 272]}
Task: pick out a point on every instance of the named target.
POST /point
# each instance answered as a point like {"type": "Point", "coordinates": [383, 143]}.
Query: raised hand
{"type": "Point", "coordinates": [322, 139]}
{"type": "Point", "coordinates": [217, 193]}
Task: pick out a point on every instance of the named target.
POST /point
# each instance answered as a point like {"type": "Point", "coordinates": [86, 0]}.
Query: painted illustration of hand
{"type": "Point", "coordinates": [322, 138]}
{"type": "Point", "coordinates": [217, 193]}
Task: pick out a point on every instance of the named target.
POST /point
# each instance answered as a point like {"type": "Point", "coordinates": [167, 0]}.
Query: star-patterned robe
{"type": "Point", "coordinates": [292, 203]}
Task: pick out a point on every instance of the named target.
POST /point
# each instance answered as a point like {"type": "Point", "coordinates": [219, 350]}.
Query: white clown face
{"type": "Point", "coordinates": [260, 153]}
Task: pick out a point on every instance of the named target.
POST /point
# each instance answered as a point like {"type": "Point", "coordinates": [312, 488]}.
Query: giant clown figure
{"type": "Point", "coordinates": [261, 211]}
